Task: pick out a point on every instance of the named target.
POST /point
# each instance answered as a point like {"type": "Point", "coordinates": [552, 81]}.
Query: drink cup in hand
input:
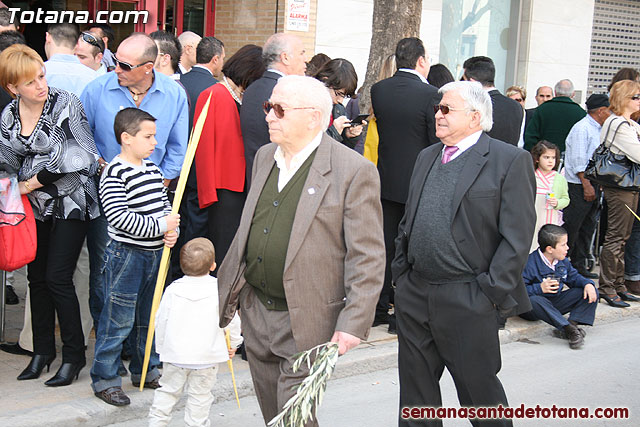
{"type": "Point", "coordinates": [173, 221]}
{"type": "Point", "coordinates": [550, 284]}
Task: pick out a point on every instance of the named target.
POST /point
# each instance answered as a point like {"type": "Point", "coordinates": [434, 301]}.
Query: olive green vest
{"type": "Point", "coordinates": [269, 236]}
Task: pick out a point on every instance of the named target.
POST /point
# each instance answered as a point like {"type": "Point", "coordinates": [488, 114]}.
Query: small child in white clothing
{"type": "Point", "coordinates": [188, 339]}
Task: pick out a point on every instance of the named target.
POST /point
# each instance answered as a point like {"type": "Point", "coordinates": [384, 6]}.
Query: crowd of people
{"type": "Point", "coordinates": [458, 209]}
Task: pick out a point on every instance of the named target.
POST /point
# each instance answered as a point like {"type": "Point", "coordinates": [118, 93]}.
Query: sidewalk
{"type": "Point", "coordinates": [30, 403]}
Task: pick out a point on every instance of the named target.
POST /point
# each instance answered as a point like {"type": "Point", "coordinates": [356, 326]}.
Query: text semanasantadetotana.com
{"type": "Point", "coordinates": [520, 412]}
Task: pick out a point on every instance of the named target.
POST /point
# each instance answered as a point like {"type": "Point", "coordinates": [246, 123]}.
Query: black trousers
{"type": "Point", "coordinates": [392, 213]}
{"type": "Point", "coordinates": [452, 326]}
{"type": "Point", "coordinates": [51, 288]}
{"type": "Point", "coordinates": [224, 220]}
{"type": "Point", "coordinates": [580, 220]}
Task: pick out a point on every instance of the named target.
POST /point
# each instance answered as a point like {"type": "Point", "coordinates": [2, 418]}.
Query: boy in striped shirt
{"type": "Point", "coordinates": [138, 211]}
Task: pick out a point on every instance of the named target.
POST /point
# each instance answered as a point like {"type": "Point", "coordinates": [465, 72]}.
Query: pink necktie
{"type": "Point", "coordinates": [448, 152]}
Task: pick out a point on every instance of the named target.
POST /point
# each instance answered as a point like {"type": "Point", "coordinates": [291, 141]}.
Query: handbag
{"type": "Point", "coordinates": [613, 170]}
{"type": "Point", "coordinates": [18, 241]}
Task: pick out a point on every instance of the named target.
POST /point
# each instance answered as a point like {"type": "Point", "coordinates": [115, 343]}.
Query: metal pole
{"type": "Point", "coordinates": [3, 282]}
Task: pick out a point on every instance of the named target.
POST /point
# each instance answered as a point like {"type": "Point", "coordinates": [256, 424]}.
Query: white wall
{"type": "Point", "coordinates": [344, 30]}
{"type": "Point", "coordinates": [559, 43]}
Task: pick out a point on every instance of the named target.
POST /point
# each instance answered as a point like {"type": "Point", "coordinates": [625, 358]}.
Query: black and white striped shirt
{"type": "Point", "coordinates": [135, 201]}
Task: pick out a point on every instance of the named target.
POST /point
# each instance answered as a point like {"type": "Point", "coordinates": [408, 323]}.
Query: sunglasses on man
{"type": "Point", "coordinates": [92, 40]}
{"type": "Point", "coordinates": [445, 109]}
{"type": "Point", "coordinates": [279, 110]}
{"type": "Point", "coordinates": [125, 66]}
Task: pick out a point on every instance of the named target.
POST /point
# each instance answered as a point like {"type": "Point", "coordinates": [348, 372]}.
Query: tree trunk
{"type": "Point", "coordinates": [393, 20]}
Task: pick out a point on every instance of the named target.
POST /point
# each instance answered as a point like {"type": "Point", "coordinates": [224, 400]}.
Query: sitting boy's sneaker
{"type": "Point", "coordinates": [149, 384]}
{"type": "Point", "coordinates": [113, 396]}
{"type": "Point", "coordinates": [575, 337]}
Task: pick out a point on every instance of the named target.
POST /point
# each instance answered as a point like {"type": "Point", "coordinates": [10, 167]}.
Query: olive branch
{"type": "Point", "coordinates": [304, 404]}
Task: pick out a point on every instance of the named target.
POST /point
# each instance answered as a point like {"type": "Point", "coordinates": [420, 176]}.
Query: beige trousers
{"type": "Point", "coordinates": [199, 383]}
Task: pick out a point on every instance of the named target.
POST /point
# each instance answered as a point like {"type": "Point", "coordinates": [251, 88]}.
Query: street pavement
{"type": "Point", "coordinates": [543, 371]}
{"type": "Point", "coordinates": [363, 390]}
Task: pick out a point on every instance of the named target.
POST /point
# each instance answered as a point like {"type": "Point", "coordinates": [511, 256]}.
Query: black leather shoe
{"type": "Point", "coordinates": [380, 319]}
{"type": "Point", "coordinates": [576, 340]}
{"type": "Point", "coordinates": [35, 367]}
{"type": "Point", "coordinates": [10, 296]}
{"type": "Point", "coordinates": [14, 348]}
{"type": "Point", "coordinates": [614, 301]}
{"type": "Point", "coordinates": [149, 384]}
{"type": "Point", "coordinates": [66, 374]}
{"type": "Point", "coordinates": [113, 396]}
{"type": "Point", "coordinates": [587, 274]}
{"type": "Point", "coordinates": [393, 328]}
{"type": "Point", "coordinates": [626, 296]}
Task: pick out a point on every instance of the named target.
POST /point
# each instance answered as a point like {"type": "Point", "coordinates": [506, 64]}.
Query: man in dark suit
{"type": "Point", "coordinates": [507, 113]}
{"type": "Point", "coordinates": [283, 55]}
{"type": "Point", "coordinates": [209, 61]}
{"type": "Point", "coordinates": [403, 106]}
{"type": "Point", "coordinates": [462, 245]}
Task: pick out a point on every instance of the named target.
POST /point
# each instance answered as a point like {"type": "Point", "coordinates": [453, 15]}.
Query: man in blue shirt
{"type": "Point", "coordinates": [64, 69]}
{"type": "Point", "coordinates": [134, 83]}
{"type": "Point", "coordinates": [581, 214]}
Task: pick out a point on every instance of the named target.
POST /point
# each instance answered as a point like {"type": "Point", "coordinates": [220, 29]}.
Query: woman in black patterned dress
{"type": "Point", "coordinates": [45, 138]}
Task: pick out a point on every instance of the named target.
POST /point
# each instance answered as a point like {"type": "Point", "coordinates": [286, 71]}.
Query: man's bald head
{"type": "Point", "coordinates": [140, 46]}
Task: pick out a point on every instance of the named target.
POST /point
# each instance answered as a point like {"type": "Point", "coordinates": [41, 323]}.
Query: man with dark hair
{"type": "Point", "coordinates": [169, 51]}
{"type": "Point", "coordinates": [546, 273]}
{"type": "Point", "coordinates": [64, 69]}
{"type": "Point", "coordinates": [90, 51]}
{"type": "Point", "coordinates": [283, 55]}
{"type": "Point", "coordinates": [5, 21]}
{"type": "Point", "coordinates": [580, 217]}
{"type": "Point", "coordinates": [105, 32]}
{"type": "Point", "coordinates": [210, 58]}
{"type": "Point", "coordinates": [554, 119]}
{"type": "Point", "coordinates": [508, 116]}
{"type": "Point", "coordinates": [134, 83]}
{"type": "Point", "coordinates": [403, 106]}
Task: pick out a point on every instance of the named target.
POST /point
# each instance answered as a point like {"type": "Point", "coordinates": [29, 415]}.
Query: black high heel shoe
{"type": "Point", "coordinates": [35, 367]}
{"type": "Point", "coordinates": [66, 374]}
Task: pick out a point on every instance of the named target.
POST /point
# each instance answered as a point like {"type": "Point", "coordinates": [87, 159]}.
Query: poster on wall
{"type": "Point", "coordinates": [298, 15]}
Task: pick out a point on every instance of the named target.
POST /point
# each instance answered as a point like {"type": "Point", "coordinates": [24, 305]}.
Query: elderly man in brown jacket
{"type": "Point", "coordinates": [307, 263]}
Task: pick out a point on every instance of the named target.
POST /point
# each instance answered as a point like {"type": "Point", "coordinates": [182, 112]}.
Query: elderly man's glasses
{"type": "Point", "coordinates": [279, 110]}
{"type": "Point", "coordinates": [125, 66]}
{"type": "Point", "coordinates": [636, 97]}
{"type": "Point", "coordinates": [445, 109]}
{"type": "Point", "coordinates": [92, 40]}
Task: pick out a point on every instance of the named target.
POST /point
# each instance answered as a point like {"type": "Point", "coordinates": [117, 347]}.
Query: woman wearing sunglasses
{"type": "Point", "coordinates": [622, 135]}
{"type": "Point", "coordinates": [45, 137]}
{"type": "Point", "coordinates": [341, 79]}
{"type": "Point", "coordinates": [220, 163]}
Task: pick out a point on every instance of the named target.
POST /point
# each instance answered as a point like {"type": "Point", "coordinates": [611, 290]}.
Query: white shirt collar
{"type": "Point", "coordinates": [551, 265]}
{"type": "Point", "coordinates": [273, 70]}
{"type": "Point", "coordinates": [296, 161]}
{"type": "Point", "coordinates": [409, 70]}
{"type": "Point", "coordinates": [465, 144]}
{"type": "Point", "coordinates": [203, 67]}
{"type": "Point", "coordinates": [182, 68]}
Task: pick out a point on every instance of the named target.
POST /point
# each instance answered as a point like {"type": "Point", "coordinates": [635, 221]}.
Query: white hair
{"type": "Point", "coordinates": [564, 88]}
{"type": "Point", "coordinates": [476, 98]}
{"type": "Point", "coordinates": [189, 37]}
{"type": "Point", "coordinates": [305, 91]}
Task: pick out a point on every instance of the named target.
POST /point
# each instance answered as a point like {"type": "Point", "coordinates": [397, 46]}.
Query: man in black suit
{"type": "Point", "coordinates": [283, 55]}
{"type": "Point", "coordinates": [461, 248]}
{"type": "Point", "coordinates": [403, 106]}
{"type": "Point", "coordinates": [507, 113]}
{"type": "Point", "coordinates": [209, 61]}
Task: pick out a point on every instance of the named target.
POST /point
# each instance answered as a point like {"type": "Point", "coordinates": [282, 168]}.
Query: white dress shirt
{"type": "Point", "coordinates": [286, 173]}
{"type": "Point", "coordinates": [409, 70]}
{"type": "Point", "coordinates": [464, 144]}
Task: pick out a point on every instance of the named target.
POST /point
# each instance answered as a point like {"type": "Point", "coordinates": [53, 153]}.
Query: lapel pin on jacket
{"type": "Point", "coordinates": [311, 191]}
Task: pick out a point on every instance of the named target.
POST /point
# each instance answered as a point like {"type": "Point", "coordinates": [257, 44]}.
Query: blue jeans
{"type": "Point", "coordinates": [129, 278]}
{"type": "Point", "coordinates": [632, 252]}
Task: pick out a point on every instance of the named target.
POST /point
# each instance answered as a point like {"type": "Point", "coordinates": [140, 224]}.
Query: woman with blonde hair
{"type": "Point", "coordinates": [622, 135]}
{"type": "Point", "coordinates": [46, 140]}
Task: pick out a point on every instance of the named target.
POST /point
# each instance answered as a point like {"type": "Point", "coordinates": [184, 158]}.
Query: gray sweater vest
{"type": "Point", "coordinates": [432, 251]}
